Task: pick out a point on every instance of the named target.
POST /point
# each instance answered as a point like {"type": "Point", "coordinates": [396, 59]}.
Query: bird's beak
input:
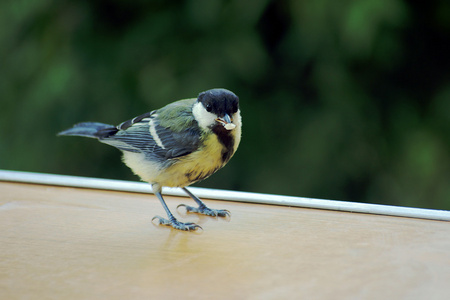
{"type": "Point", "coordinates": [227, 122]}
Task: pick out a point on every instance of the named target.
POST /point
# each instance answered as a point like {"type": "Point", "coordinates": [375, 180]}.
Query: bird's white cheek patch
{"type": "Point", "coordinates": [203, 117]}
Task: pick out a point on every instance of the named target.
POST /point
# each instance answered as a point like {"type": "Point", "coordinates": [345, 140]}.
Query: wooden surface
{"type": "Point", "coordinates": [71, 243]}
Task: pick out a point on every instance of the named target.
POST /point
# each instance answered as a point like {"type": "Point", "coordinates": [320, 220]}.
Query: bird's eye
{"type": "Point", "coordinates": [235, 107]}
{"type": "Point", "coordinates": [208, 107]}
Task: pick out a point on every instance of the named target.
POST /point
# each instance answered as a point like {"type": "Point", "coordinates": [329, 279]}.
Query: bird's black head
{"type": "Point", "coordinates": [220, 102]}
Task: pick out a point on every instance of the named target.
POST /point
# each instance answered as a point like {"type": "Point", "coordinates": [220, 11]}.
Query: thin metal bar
{"type": "Point", "coordinates": [141, 187]}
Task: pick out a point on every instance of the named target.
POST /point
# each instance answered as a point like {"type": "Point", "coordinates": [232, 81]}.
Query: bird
{"type": "Point", "coordinates": [177, 145]}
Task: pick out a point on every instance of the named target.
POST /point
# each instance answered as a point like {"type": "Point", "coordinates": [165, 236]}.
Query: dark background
{"type": "Point", "coordinates": [346, 100]}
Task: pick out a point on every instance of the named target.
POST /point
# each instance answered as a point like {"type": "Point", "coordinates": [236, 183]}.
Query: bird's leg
{"type": "Point", "coordinates": [202, 208]}
{"type": "Point", "coordinates": [172, 221]}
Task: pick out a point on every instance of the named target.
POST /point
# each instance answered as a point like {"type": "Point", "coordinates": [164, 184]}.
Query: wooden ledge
{"type": "Point", "coordinates": [78, 243]}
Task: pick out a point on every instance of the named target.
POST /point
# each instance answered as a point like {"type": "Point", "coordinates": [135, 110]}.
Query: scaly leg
{"type": "Point", "coordinates": [202, 208]}
{"type": "Point", "coordinates": [172, 221]}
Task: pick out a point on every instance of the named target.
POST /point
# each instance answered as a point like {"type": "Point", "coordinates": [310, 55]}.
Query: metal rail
{"type": "Point", "coordinates": [141, 187]}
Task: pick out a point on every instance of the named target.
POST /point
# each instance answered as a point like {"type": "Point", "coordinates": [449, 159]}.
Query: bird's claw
{"type": "Point", "coordinates": [177, 224]}
{"type": "Point", "coordinates": [207, 211]}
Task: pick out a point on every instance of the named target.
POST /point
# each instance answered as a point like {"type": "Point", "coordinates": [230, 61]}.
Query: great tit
{"type": "Point", "coordinates": [177, 145]}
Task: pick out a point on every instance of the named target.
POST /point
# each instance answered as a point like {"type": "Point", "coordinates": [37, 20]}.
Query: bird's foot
{"type": "Point", "coordinates": [177, 224]}
{"type": "Point", "coordinates": [207, 211]}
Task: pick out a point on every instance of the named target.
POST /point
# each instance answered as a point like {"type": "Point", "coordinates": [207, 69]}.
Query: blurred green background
{"type": "Point", "coordinates": [346, 100]}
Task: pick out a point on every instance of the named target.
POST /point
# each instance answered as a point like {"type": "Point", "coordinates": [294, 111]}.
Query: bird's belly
{"type": "Point", "coordinates": [184, 170]}
{"type": "Point", "coordinates": [187, 172]}
{"type": "Point", "coordinates": [194, 167]}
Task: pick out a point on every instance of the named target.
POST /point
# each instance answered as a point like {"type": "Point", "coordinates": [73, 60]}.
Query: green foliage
{"type": "Point", "coordinates": [346, 100]}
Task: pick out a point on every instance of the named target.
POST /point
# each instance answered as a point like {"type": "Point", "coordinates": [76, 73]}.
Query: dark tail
{"type": "Point", "coordinates": [91, 130]}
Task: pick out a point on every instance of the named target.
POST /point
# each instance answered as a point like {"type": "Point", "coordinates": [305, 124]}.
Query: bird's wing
{"type": "Point", "coordinates": [166, 133]}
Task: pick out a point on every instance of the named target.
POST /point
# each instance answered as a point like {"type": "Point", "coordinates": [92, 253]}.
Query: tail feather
{"type": "Point", "coordinates": [91, 129]}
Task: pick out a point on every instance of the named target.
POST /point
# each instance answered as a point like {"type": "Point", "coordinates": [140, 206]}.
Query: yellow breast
{"type": "Point", "coordinates": [195, 166]}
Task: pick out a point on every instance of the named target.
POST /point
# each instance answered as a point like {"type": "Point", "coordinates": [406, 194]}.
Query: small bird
{"type": "Point", "coordinates": [177, 145]}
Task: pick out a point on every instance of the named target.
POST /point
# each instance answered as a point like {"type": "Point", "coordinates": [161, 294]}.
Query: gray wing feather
{"type": "Point", "coordinates": [135, 136]}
